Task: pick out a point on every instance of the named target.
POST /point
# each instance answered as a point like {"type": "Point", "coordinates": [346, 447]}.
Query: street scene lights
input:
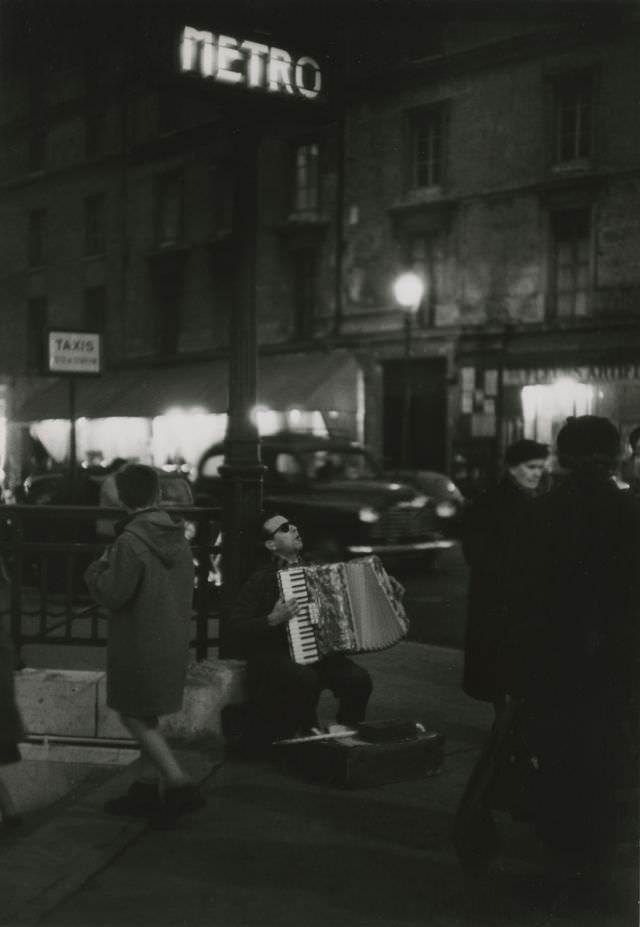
{"type": "Point", "coordinates": [408, 290]}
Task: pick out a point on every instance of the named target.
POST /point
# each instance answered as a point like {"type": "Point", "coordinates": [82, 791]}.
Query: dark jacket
{"type": "Point", "coordinates": [573, 658]}
{"type": "Point", "coordinates": [492, 532]}
{"type": "Point", "coordinates": [580, 604]}
{"type": "Point", "coordinates": [11, 730]}
{"type": "Point", "coordinates": [145, 579]}
{"type": "Point", "coordinates": [248, 627]}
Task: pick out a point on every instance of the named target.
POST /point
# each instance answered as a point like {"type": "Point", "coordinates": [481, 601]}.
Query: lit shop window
{"type": "Point", "coordinates": [546, 407]}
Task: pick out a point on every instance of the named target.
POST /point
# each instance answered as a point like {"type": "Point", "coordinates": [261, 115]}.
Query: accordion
{"type": "Point", "coordinates": [343, 608]}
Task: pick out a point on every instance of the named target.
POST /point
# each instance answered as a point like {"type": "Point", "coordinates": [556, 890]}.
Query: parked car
{"type": "Point", "coordinates": [342, 501]}
{"type": "Point", "coordinates": [448, 499]}
{"type": "Point", "coordinates": [52, 489]}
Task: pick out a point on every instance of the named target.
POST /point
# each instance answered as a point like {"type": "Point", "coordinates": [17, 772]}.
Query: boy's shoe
{"type": "Point", "coordinates": [183, 799]}
{"type": "Point", "coordinates": [176, 801]}
{"type": "Point", "coordinates": [141, 800]}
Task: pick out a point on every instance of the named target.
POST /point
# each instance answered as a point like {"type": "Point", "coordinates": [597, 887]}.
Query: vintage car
{"type": "Point", "coordinates": [52, 492]}
{"type": "Point", "coordinates": [341, 500]}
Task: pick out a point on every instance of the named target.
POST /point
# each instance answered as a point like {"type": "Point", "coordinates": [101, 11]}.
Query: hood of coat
{"type": "Point", "coordinates": [162, 533]}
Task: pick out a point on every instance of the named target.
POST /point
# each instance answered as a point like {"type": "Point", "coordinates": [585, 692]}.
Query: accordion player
{"type": "Point", "coordinates": [347, 607]}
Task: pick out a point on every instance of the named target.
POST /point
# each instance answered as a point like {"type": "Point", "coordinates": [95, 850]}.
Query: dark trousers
{"type": "Point", "coordinates": [283, 695]}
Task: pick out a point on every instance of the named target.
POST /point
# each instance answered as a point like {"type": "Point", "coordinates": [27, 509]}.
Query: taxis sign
{"type": "Point", "coordinates": [74, 352]}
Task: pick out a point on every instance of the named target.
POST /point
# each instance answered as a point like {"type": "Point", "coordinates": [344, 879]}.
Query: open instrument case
{"type": "Point", "coordinates": [356, 763]}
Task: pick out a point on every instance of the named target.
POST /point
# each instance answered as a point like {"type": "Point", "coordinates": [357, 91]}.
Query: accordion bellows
{"type": "Point", "coordinates": [344, 608]}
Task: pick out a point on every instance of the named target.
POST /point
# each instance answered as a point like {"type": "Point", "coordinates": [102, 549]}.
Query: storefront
{"type": "Point", "coordinates": [537, 402]}
{"type": "Point", "coordinates": [168, 415]}
{"type": "Point", "coordinates": [501, 402]}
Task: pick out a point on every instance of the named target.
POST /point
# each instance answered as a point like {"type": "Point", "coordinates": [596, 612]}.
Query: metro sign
{"type": "Point", "coordinates": [244, 63]}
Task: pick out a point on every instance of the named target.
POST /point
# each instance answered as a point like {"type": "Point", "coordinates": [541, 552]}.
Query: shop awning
{"type": "Point", "coordinates": [315, 381]}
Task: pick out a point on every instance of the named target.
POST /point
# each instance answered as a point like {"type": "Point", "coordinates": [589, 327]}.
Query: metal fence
{"type": "Point", "coordinates": [44, 551]}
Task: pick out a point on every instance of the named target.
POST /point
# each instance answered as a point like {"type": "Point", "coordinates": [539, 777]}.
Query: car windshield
{"type": "Point", "coordinates": [339, 465]}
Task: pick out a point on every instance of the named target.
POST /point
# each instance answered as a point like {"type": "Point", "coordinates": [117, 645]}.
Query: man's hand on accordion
{"type": "Point", "coordinates": [283, 612]}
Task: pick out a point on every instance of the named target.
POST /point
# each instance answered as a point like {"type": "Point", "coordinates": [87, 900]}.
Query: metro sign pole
{"type": "Point", "coordinates": [261, 72]}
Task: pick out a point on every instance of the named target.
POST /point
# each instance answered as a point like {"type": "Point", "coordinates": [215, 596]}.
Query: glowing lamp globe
{"type": "Point", "coordinates": [408, 290]}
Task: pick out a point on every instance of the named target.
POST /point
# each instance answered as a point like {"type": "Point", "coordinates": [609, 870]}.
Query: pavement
{"type": "Point", "coordinates": [272, 848]}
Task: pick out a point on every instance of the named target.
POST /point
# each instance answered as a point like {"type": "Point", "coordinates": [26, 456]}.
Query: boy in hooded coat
{"type": "Point", "coordinates": [145, 580]}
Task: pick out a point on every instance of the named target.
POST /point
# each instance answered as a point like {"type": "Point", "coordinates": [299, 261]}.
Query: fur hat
{"type": "Point", "coordinates": [588, 439]}
{"type": "Point", "coordinates": [523, 450]}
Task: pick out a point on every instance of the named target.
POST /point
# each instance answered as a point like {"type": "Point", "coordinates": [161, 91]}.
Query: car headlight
{"type": "Point", "coordinates": [418, 502]}
{"type": "Point", "coordinates": [368, 515]}
{"type": "Point", "coordinates": [446, 509]}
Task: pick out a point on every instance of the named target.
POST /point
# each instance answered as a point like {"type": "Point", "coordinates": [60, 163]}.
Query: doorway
{"type": "Point", "coordinates": [425, 442]}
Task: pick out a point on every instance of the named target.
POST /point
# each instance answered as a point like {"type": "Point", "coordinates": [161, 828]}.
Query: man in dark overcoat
{"type": "Point", "coordinates": [492, 531]}
{"type": "Point", "coordinates": [574, 656]}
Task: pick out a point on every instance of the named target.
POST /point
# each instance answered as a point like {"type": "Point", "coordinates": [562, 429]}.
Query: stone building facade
{"type": "Point", "coordinates": [500, 160]}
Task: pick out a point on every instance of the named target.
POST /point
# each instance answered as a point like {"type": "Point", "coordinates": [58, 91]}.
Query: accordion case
{"type": "Point", "coordinates": [354, 763]}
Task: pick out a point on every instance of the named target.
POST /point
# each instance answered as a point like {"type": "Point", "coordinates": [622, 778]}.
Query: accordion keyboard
{"type": "Point", "coordinates": [300, 630]}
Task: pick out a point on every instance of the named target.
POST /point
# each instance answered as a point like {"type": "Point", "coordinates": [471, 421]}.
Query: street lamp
{"type": "Point", "coordinates": [408, 290]}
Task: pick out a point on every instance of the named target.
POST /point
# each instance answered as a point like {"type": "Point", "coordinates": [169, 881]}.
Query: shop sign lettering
{"type": "Point", "coordinates": [253, 65]}
{"type": "Point", "coordinates": [587, 374]}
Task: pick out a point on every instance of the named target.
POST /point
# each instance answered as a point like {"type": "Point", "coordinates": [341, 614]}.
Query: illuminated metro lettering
{"type": "Point", "coordinates": [251, 64]}
{"type": "Point", "coordinates": [310, 65]}
{"type": "Point", "coordinates": [228, 55]}
{"type": "Point", "coordinates": [279, 71]}
{"type": "Point", "coordinates": [255, 64]}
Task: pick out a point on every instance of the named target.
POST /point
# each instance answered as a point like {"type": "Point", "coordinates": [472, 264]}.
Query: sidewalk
{"type": "Point", "coordinates": [270, 849]}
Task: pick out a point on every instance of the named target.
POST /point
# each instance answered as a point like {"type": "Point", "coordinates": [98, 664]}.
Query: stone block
{"type": "Point", "coordinates": [108, 725]}
{"type": "Point", "coordinates": [211, 684]}
{"type": "Point", "coordinates": [58, 702]}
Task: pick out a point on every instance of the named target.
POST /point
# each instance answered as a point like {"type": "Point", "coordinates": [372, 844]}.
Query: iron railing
{"type": "Point", "coordinates": [44, 551]}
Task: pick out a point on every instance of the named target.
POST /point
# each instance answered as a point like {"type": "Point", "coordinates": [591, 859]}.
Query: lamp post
{"type": "Point", "coordinates": [408, 290]}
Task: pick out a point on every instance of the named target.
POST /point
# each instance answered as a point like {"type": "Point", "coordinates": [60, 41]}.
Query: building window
{"type": "Point", "coordinates": [570, 264]}
{"type": "Point", "coordinates": [425, 255]}
{"type": "Point", "coordinates": [94, 224]}
{"type": "Point", "coordinates": [573, 119]}
{"type": "Point", "coordinates": [306, 178]}
{"type": "Point", "coordinates": [168, 275]}
{"type": "Point", "coordinates": [95, 309]}
{"type": "Point", "coordinates": [305, 273]}
{"type": "Point", "coordinates": [168, 214]}
{"type": "Point", "coordinates": [36, 328]}
{"type": "Point", "coordinates": [36, 152]}
{"type": "Point", "coordinates": [37, 234]}
{"type": "Point", "coordinates": [221, 200]}
{"type": "Point", "coordinates": [426, 129]}
{"type": "Point", "coordinates": [95, 135]}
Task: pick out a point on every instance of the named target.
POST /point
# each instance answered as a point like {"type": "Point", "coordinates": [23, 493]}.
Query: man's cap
{"type": "Point", "coordinates": [523, 450]}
